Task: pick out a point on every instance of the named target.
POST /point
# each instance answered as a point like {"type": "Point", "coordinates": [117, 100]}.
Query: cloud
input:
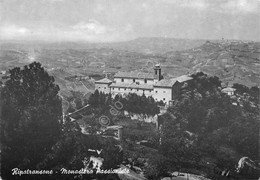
{"type": "Point", "coordinates": [53, 1]}
{"type": "Point", "coordinates": [92, 26]}
{"type": "Point", "coordinates": [91, 30]}
{"type": "Point", "coordinates": [121, 20]}
{"type": "Point", "coordinates": [99, 8]}
{"type": "Point", "coordinates": [198, 4]}
{"type": "Point", "coordinates": [145, 6]}
{"type": "Point", "coordinates": [194, 4]}
{"type": "Point", "coordinates": [222, 6]}
{"type": "Point", "coordinates": [241, 6]}
{"type": "Point", "coordinates": [13, 30]}
{"type": "Point", "coordinates": [129, 28]}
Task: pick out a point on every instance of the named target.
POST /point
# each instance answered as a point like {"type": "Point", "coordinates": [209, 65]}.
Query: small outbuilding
{"type": "Point", "coordinates": [229, 91]}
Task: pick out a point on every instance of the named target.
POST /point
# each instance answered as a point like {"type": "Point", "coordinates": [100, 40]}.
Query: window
{"type": "Point", "coordinates": [113, 88]}
{"type": "Point", "coordinates": [163, 91]}
{"type": "Point", "coordinates": [119, 89]}
{"type": "Point", "coordinates": [145, 80]}
{"type": "Point", "coordinates": [155, 91]}
{"type": "Point", "coordinates": [133, 80]}
{"type": "Point", "coordinates": [137, 89]}
{"type": "Point", "coordinates": [164, 99]}
{"type": "Point", "coordinates": [99, 87]}
{"type": "Point", "coordinates": [155, 72]}
{"type": "Point", "coordinates": [125, 89]}
{"type": "Point", "coordinates": [104, 87]}
{"type": "Point", "coordinates": [150, 90]}
{"type": "Point", "coordinates": [131, 89]}
{"type": "Point", "coordinates": [122, 80]}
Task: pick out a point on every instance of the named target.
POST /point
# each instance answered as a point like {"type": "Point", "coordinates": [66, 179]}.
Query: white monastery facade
{"type": "Point", "coordinates": [149, 84]}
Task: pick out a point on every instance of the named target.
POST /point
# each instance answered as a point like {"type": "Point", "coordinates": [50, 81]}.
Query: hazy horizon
{"type": "Point", "coordinates": [117, 20]}
{"type": "Point", "coordinates": [44, 41]}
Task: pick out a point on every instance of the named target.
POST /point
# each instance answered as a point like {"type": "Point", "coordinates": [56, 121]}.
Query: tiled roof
{"type": "Point", "coordinates": [135, 74]}
{"type": "Point", "coordinates": [228, 89]}
{"type": "Point", "coordinates": [104, 81]}
{"type": "Point", "coordinates": [132, 86]}
{"type": "Point", "coordinates": [171, 82]}
{"type": "Point", "coordinates": [183, 78]}
{"type": "Point", "coordinates": [165, 83]}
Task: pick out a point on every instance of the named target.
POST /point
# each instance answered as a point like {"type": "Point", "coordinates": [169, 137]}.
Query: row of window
{"type": "Point", "coordinates": [157, 91]}
{"type": "Point", "coordinates": [122, 80]}
{"type": "Point", "coordinates": [157, 99]}
{"type": "Point", "coordinates": [137, 90]}
{"type": "Point", "coordinates": [130, 89]}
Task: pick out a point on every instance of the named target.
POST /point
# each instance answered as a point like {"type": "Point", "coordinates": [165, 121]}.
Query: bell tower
{"type": "Point", "coordinates": [157, 72]}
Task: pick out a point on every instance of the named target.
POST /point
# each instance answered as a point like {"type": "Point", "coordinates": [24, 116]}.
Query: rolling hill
{"type": "Point", "coordinates": [231, 61]}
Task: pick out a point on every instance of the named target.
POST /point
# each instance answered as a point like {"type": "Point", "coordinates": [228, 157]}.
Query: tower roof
{"type": "Point", "coordinates": [157, 65]}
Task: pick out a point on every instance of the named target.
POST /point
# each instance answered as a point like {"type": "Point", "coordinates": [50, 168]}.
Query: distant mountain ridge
{"type": "Point", "coordinates": [153, 45]}
{"type": "Point", "coordinates": [156, 45]}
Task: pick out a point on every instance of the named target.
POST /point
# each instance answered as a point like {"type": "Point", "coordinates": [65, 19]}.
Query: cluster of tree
{"type": "Point", "coordinates": [100, 100]}
{"type": "Point", "coordinates": [35, 136]}
{"type": "Point", "coordinates": [73, 147]}
{"type": "Point", "coordinates": [252, 93]}
{"type": "Point", "coordinates": [31, 117]}
{"type": "Point", "coordinates": [77, 99]}
{"type": "Point", "coordinates": [74, 102]}
{"type": "Point", "coordinates": [131, 103]}
{"type": "Point", "coordinates": [140, 104]}
{"type": "Point", "coordinates": [204, 128]}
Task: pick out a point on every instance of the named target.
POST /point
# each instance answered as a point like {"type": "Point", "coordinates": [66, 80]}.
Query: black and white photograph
{"type": "Point", "coordinates": [129, 89]}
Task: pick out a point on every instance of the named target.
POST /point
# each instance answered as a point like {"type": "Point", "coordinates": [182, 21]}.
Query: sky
{"type": "Point", "coordinates": [122, 20]}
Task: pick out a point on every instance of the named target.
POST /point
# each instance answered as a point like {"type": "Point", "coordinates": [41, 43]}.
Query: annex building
{"type": "Point", "coordinates": [150, 84]}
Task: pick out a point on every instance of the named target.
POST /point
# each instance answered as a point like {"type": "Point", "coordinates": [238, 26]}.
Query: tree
{"type": "Point", "coordinates": [131, 103]}
{"type": "Point", "coordinates": [224, 130]}
{"type": "Point", "coordinates": [177, 144]}
{"type": "Point", "coordinates": [140, 104]}
{"type": "Point", "coordinates": [157, 168]}
{"type": "Point", "coordinates": [73, 147]}
{"type": "Point", "coordinates": [32, 117]}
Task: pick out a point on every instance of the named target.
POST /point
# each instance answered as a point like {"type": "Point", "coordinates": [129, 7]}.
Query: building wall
{"type": "Point", "coordinates": [102, 88]}
{"type": "Point", "coordinates": [128, 80]}
{"type": "Point", "coordinates": [117, 90]}
{"type": "Point", "coordinates": [150, 81]}
{"type": "Point", "coordinates": [176, 89]}
{"type": "Point", "coordinates": [158, 93]}
{"type": "Point", "coordinates": [164, 94]}
{"type": "Point", "coordinates": [230, 93]}
{"type": "Point", "coordinates": [129, 90]}
{"type": "Point", "coordinates": [143, 91]}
